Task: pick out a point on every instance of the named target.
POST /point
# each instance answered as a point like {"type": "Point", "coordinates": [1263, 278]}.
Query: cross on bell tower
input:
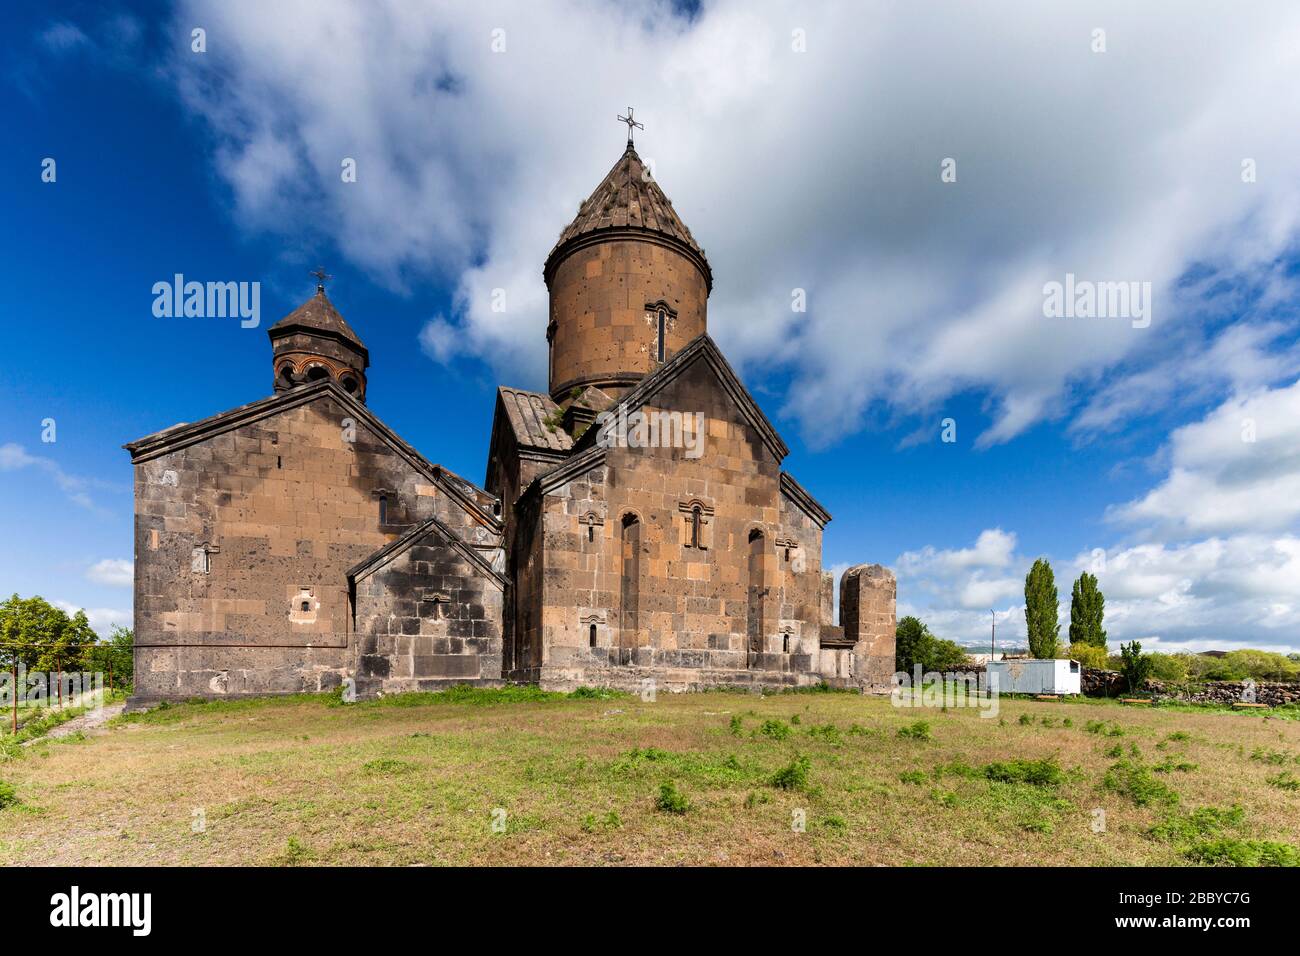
{"type": "Point", "coordinates": [631, 124]}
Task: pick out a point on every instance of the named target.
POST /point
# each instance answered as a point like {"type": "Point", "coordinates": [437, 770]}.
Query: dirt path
{"type": "Point", "coordinates": [87, 721]}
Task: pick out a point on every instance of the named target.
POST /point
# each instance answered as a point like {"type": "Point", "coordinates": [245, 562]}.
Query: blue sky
{"type": "Point", "coordinates": [814, 169]}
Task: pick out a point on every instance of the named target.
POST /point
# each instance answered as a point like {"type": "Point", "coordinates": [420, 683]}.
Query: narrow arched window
{"type": "Point", "coordinates": [663, 330]}
{"type": "Point", "coordinates": [695, 526]}
{"type": "Point", "coordinates": [383, 509]}
{"type": "Point", "coordinates": [591, 532]}
{"type": "Point", "coordinates": [592, 635]}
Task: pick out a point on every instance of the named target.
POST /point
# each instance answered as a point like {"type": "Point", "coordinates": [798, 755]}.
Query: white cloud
{"type": "Point", "coordinates": [1241, 590]}
{"type": "Point", "coordinates": [62, 37]}
{"type": "Point", "coordinates": [963, 583]}
{"type": "Point", "coordinates": [1116, 166]}
{"type": "Point", "coordinates": [102, 619]}
{"type": "Point", "coordinates": [993, 549]}
{"type": "Point", "coordinates": [14, 457]}
{"type": "Point", "coordinates": [820, 171]}
{"type": "Point", "coordinates": [114, 572]}
{"type": "Point", "coordinates": [1237, 469]}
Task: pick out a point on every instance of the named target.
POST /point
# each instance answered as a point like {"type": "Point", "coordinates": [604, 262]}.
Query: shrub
{"type": "Point", "coordinates": [1285, 781]}
{"type": "Point", "coordinates": [1275, 757]}
{"type": "Point", "coordinates": [8, 796]}
{"type": "Point", "coordinates": [594, 693]}
{"type": "Point", "coordinates": [912, 776]}
{"type": "Point", "coordinates": [776, 729]}
{"type": "Point", "coordinates": [1089, 655]}
{"type": "Point", "coordinates": [1262, 665]}
{"type": "Point", "coordinates": [827, 732]}
{"type": "Point", "coordinates": [794, 775]}
{"type": "Point", "coordinates": [1134, 780]}
{"type": "Point", "coordinates": [920, 730]}
{"type": "Point", "coordinates": [1169, 765]}
{"type": "Point", "coordinates": [737, 725]}
{"type": "Point", "coordinates": [670, 799]}
{"type": "Point", "coordinates": [833, 822]}
{"type": "Point", "coordinates": [1233, 852]}
{"type": "Point", "coordinates": [1038, 773]}
{"type": "Point", "coordinates": [610, 821]}
{"type": "Point", "coordinates": [1025, 720]}
{"type": "Point", "coordinates": [1134, 665]}
{"type": "Point", "coordinates": [1169, 667]}
{"type": "Point", "coordinates": [1200, 823]}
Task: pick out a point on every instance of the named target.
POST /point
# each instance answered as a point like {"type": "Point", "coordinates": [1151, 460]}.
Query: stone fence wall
{"type": "Point", "coordinates": [1100, 683]}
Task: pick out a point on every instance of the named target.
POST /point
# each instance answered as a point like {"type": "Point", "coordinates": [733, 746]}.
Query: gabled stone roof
{"type": "Point", "coordinates": [628, 200]}
{"type": "Point", "coordinates": [529, 414]}
{"type": "Point", "coordinates": [318, 315]}
{"type": "Point", "coordinates": [809, 505]}
{"type": "Point", "coordinates": [185, 434]}
{"type": "Point", "coordinates": [431, 525]}
{"type": "Point", "coordinates": [701, 348]}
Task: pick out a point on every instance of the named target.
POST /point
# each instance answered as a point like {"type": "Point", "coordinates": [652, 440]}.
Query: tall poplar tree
{"type": "Point", "coordinates": [1087, 608]}
{"type": "Point", "coordinates": [1041, 610]}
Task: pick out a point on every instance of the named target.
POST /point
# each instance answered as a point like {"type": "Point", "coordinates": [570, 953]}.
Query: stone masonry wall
{"type": "Point", "coordinates": [427, 619]}
{"type": "Point", "coordinates": [242, 544]}
{"type": "Point", "coordinates": [598, 304]}
{"type": "Point", "coordinates": [868, 595]}
{"type": "Point", "coordinates": [694, 602]}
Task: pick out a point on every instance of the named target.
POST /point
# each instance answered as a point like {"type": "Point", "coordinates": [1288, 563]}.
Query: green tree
{"type": "Point", "coordinates": [909, 636]}
{"type": "Point", "coordinates": [1042, 610]}
{"type": "Point", "coordinates": [914, 644]}
{"type": "Point", "coordinates": [115, 656]}
{"type": "Point", "coordinates": [1090, 655]}
{"type": "Point", "coordinates": [40, 636]}
{"type": "Point", "coordinates": [1134, 665]}
{"type": "Point", "coordinates": [1169, 667]}
{"type": "Point", "coordinates": [937, 654]}
{"type": "Point", "coordinates": [1087, 608]}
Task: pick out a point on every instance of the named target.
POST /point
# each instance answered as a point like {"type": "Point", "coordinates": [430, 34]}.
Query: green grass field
{"type": "Point", "coordinates": [718, 778]}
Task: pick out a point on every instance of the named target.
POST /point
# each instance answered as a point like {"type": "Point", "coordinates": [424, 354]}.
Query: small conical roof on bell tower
{"type": "Point", "coordinates": [317, 315]}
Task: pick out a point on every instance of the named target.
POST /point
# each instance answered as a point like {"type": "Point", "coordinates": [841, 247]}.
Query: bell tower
{"type": "Point", "coordinates": [629, 285]}
{"type": "Point", "coordinates": [313, 343]}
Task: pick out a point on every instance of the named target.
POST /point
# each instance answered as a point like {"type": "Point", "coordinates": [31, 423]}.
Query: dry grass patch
{"type": "Point", "coordinates": [416, 780]}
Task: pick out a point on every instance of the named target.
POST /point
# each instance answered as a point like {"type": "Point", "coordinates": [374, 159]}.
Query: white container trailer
{"type": "Point", "coordinates": [1034, 676]}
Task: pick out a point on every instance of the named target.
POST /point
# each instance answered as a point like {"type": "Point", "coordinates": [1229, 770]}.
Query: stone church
{"type": "Point", "coordinates": [297, 542]}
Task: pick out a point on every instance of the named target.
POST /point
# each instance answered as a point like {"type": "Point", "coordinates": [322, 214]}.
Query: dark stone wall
{"type": "Point", "coordinates": [236, 533]}
{"type": "Point", "coordinates": [427, 618]}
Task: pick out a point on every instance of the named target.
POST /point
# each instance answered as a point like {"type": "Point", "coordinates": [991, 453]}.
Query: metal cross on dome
{"type": "Point", "coordinates": [631, 123]}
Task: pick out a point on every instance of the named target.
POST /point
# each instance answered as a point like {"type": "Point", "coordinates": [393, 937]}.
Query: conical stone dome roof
{"type": "Point", "coordinates": [627, 202]}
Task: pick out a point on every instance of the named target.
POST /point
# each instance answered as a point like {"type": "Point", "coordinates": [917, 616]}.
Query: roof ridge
{"type": "Point", "coordinates": [182, 436]}
{"type": "Point", "coordinates": [704, 345]}
{"type": "Point", "coordinates": [376, 559]}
